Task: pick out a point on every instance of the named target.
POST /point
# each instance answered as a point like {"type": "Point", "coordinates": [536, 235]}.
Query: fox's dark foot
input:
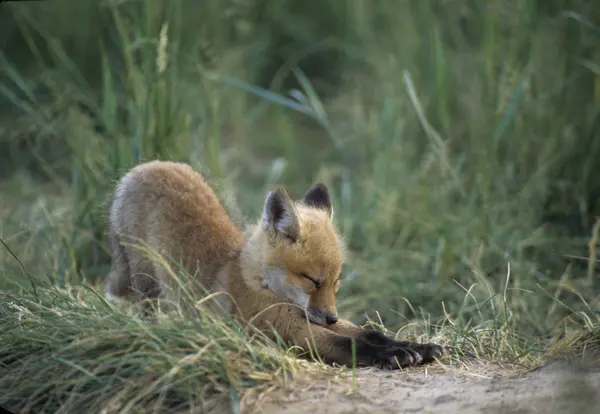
{"type": "Point", "coordinates": [429, 352]}
{"type": "Point", "coordinates": [372, 348]}
{"type": "Point", "coordinates": [405, 356]}
{"type": "Point", "coordinates": [391, 354]}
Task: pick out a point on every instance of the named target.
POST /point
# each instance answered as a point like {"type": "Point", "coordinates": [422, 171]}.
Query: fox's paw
{"type": "Point", "coordinates": [428, 352]}
{"type": "Point", "coordinates": [393, 354]}
{"type": "Point", "coordinates": [398, 357]}
{"type": "Point", "coordinates": [407, 354]}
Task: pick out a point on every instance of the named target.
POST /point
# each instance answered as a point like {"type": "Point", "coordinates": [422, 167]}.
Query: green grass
{"type": "Point", "coordinates": [459, 140]}
{"type": "Point", "coordinates": [72, 352]}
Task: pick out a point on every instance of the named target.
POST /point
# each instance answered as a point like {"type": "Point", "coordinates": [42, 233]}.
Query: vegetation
{"type": "Point", "coordinates": [460, 140]}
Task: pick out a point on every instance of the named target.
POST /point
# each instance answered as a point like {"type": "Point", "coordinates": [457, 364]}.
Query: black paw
{"type": "Point", "coordinates": [388, 353]}
{"type": "Point", "coordinates": [399, 357]}
{"type": "Point", "coordinates": [429, 352]}
{"type": "Point", "coordinates": [407, 354]}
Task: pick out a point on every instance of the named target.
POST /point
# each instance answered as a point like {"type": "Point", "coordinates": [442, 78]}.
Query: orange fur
{"type": "Point", "coordinates": [282, 273]}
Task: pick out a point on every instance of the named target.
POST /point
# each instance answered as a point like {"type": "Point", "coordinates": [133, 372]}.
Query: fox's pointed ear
{"type": "Point", "coordinates": [318, 197]}
{"type": "Point", "coordinates": [280, 215]}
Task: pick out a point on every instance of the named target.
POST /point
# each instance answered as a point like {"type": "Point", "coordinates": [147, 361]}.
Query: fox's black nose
{"type": "Point", "coordinates": [330, 319]}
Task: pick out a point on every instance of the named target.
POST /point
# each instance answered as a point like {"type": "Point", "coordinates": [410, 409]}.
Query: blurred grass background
{"type": "Point", "coordinates": [460, 138]}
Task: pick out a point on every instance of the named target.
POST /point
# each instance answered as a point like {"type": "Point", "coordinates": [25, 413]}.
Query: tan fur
{"type": "Point", "coordinates": [282, 272]}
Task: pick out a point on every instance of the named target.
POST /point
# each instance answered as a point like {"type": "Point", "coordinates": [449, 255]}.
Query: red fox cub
{"type": "Point", "coordinates": [282, 274]}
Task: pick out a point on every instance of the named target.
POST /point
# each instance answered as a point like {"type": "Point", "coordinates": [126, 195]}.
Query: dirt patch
{"type": "Point", "coordinates": [473, 388]}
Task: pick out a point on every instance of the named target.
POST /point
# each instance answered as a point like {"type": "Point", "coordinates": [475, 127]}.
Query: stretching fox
{"type": "Point", "coordinates": [291, 258]}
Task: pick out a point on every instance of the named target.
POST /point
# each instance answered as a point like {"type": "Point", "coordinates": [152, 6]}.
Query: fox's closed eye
{"type": "Point", "coordinates": [312, 279]}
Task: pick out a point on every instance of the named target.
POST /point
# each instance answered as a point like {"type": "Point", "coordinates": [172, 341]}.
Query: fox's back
{"type": "Point", "coordinates": [170, 206]}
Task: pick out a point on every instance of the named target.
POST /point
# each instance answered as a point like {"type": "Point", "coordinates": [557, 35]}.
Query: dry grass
{"type": "Point", "coordinates": [72, 352]}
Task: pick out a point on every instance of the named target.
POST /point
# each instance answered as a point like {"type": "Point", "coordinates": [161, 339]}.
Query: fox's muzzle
{"type": "Point", "coordinates": [321, 317]}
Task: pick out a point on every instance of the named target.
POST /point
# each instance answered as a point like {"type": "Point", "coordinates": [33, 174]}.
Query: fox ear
{"type": "Point", "coordinates": [318, 197]}
{"type": "Point", "coordinates": [280, 214]}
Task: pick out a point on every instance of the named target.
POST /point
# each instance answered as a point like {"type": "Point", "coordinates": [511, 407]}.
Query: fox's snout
{"type": "Point", "coordinates": [321, 316]}
{"type": "Point", "coordinates": [330, 319]}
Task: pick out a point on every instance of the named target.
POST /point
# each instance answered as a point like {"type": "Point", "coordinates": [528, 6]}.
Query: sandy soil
{"type": "Point", "coordinates": [473, 388]}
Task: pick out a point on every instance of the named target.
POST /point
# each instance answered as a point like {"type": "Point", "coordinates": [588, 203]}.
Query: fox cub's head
{"type": "Point", "coordinates": [302, 254]}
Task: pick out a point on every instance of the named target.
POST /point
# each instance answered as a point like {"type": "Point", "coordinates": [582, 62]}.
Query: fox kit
{"type": "Point", "coordinates": [282, 273]}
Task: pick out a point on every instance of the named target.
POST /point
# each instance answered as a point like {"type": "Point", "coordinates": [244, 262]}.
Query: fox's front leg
{"type": "Point", "coordinates": [420, 353]}
{"type": "Point", "coordinates": [354, 345]}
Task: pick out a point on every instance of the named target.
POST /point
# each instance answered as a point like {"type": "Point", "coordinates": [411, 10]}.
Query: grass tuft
{"type": "Point", "coordinates": [70, 351]}
{"type": "Point", "coordinates": [581, 346]}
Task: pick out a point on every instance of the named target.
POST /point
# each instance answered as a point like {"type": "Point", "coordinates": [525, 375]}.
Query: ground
{"type": "Point", "coordinates": [472, 388]}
